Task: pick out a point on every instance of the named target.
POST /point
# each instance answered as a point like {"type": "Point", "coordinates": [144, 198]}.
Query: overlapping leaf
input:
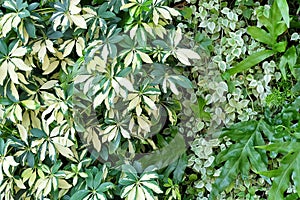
{"type": "Point", "coordinates": [241, 156]}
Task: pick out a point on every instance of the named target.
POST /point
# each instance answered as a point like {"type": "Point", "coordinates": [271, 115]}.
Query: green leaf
{"type": "Point", "coordinates": [199, 109]}
{"type": "Point", "coordinates": [241, 156]}
{"type": "Point", "coordinates": [289, 170]}
{"type": "Point", "coordinates": [38, 133]}
{"type": "Point", "coordinates": [284, 11]}
{"type": "Point", "coordinates": [166, 155]}
{"type": "Point", "coordinates": [180, 168]}
{"type": "Point", "coordinates": [249, 62]}
{"type": "Point", "coordinates": [280, 46]}
{"type": "Point", "coordinates": [260, 35]}
{"type": "Point", "coordinates": [290, 58]}
{"type": "Point", "coordinates": [79, 195]}
{"type": "Point", "coordinates": [182, 81]}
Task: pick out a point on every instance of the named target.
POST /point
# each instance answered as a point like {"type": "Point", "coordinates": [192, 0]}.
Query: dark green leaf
{"type": "Point", "coordinates": [79, 195]}
{"type": "Point", "coordinates": [30, 28]}
{"type": "Point", "coordinates": [241, 156]}
{"type": "Point", "coordinates": [180, 168]}
{"type": "Point", "coordinates": [38, 133]}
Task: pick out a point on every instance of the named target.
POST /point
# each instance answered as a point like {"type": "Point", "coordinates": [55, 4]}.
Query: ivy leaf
{"type": "Point", "coordinates": [241, 156]}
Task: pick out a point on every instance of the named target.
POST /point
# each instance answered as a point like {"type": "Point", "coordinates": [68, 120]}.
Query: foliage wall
{"type": "Point", "coordinates": [83, 83]}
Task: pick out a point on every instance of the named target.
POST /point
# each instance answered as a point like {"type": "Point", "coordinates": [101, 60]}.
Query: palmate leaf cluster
{"type": "Point", "coordinates": [87, 87]}
{"type": "Point", "coordinates": [58, 56]}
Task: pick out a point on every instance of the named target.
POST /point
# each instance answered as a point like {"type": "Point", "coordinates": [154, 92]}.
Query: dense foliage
{"type": "Point", "coordinates": [149, 99]}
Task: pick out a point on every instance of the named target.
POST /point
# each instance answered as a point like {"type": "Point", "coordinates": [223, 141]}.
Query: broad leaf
{"type": "Point", "coordinates": [289, 169]}
{"type": "Point", "coordinates": [249, 62]}
{"type": "Point", "coordinates": [241, 156]}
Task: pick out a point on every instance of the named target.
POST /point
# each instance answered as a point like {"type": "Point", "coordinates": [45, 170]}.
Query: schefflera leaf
{"type": "Point", "coordinates": [288, 170]}
{"type": "Point", "coordinates": [242, 155]}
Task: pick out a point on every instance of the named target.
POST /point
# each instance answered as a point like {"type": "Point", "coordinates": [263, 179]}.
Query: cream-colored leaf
{"type": "Point", "coordinates": [20, 64]}
{"type": "Point", "coordinates": [56, 22]}
{"type": "Point", "coordinates": [63, 184]}
{"type": "Point", "coordinates": [145, 57]}
{"type": "Point", "coordinates": [140, 194]}
{"type": "Point", "coordinates": [30, 104]}
{"type": "Point", "coordinates": [143, 124]}
{"type": "Point", "coordinates": [189, 53]}
{"type": "Point", "coordinates": [115, 85]}
{"type": "Point", "coordinates": [32, 179]}
{"type": "Point", "coordinates": [22, 78]}
{"type": "Point", "coordinates": [172, 11]}
{"type": "Point", "coordinates": [65, 23]}
{"type": "Point", "coordinates": [182, 58]}
{"type": "Point", "coordinates": [149, 103]}
{"type": "Point", "coordinates": [99, 99]}
{"type": "Point", "coordinates": [7, 26]}
{"type": "Point", "coordinates": [80, 46]}
{"type": "Point", "coordinates": [49, 45]}
{"type": "Point", "coordinates": [124, 82]}
{"type": "Point", "coordinates": [74, 10]}
{"type": "Point", "coordinates": [153, 187]}
{"type": "Point", "coordinates": [65, 151]}
{"type": "Point", "coordinates": [12, 74]}
{"type": "Point", "coordinates": [173, 88]}
{"type": "Point", "coordinates": [96, 141]}
{"type": "Point", "coordinates": [18, 112]}
{"type": "Point", "coordinates": [133, 103]}
{"type": "Point", "coordinates": [148, 176]}
{"type": "Point", "coordinates": [164, 13]}
{"type": "Point", "coordinates": [147, 194]}
{"type": "Point", "coordinates": [22, 132]}
{"type": "Point", "coordinates": [178, 36]}
{"type": "Point", "coordinates": [48, 187]}
{"type": "Point", "coordinates": [132, 194]}
{"type": "Point", "coordinates": [126, 190]}
{"type": "Point", "coordinates": [134, 62]}
{"type": "Point", "coordinates": [36, 46]}
{"type": "Point", "coordinates": [79, 21]}
{"type": "Point", "coordinates": [20, 184]}
{"type": "Point", "coordinates": [138, 110]}
{"type": "Point", "coordinates": [14, 91]}
{"type": "Point", "coordinates": [133, 31]}
{"type": "Point", "coordinates": [128, 5]}
{"type": "Point", "coordinates": [89, 10]}
{"type": "Point", "coordinates": [128, 59]}
{"type": "Point", "coordinates": [51, 67]}
{"type": "Point", "coordinates": [52, 152]}
{"type": "Point", "coordinates": [42, 52]}
{"type": "Point", "coordinates": [112, 134]}
{"type": "Point", "coordinates": [16, 21]}
{"type": "Point", "coordinates": [68, 49]}
{"type": "Point", "coordinates": [125, 133]}
{"type": "Point", "coordinates": [3, 71]}
{"type": "Point", "coordinates": [49, 84]}
{"type": "Point", "coordinates": [155, 17]}
{"type": "Point", "coordinates": [21, 51]}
